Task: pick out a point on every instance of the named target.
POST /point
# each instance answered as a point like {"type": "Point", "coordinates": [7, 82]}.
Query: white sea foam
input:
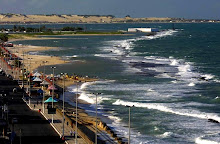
{"type": "Point", "coordinates": [208, 76]}
{"type": "Point", "coordinates": [91, 98]}
{"type": "Point", "coordinates": [216, 80]}
{"type": "Point", "coordinates": [201, 140]}
{"type": "Point", "coordinates": [85, 85]}
{"type": "Point", "coordinates": [184, 68]}
{"type": "Point", "coordinates": [174, 62]}
{"type": "Point", "coordinates": [166, 134]}
{"type": "Point", "coordinates": [160, 35]}
{"type": "Point", "coordinates": [191, 84]}
{"type": "Point", "coordinates": [34, 53]}
{"type": "Point", "coordinates": [85, 97]}
{"type": "Point", "coordinates": [161, 107]}
{"type": "Point", "coordinates": [132, 70]}
{"type": "Point", "coordinates": [73, 56]}
{"type": "Point", "coordinates": [174, 81]}
{"type": "Point", "coordinates": [150, 90]}
{"type": "Point", "coordinates": [217, 97]}
{"type": "Point", "coordinates": [116, 119]}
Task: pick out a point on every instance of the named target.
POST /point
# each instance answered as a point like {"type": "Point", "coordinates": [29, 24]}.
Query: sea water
{"type": "Point", "coordinates": [171, 80]}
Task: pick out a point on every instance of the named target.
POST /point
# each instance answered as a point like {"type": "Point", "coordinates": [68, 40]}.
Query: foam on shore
{"type": "Point", "coordinates": [162, 107]}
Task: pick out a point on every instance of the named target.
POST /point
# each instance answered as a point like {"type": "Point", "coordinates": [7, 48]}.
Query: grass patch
{"type": "Point", "coordinates": [35, 35]}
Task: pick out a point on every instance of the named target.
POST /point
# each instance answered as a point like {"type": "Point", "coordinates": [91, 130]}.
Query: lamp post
{"type": "Point", "coordinates": [43, 85]}
{"type": "Point", "coordinates": [30, 83]}
{"type": "Point", "coordinates": [76, 110]}
{"type": "Point", "coordinates": [129, 124]}
{"type": "Point", "coordinates": [14, 64]}
{"type": "Point", "coordinates": [64, 74]}
{"type": "Point", "coordinates": [53, 90]}
{"type": "Point", "coordinates": [23, 75]}
{"type": "Point", "coordinates": [96, 94]}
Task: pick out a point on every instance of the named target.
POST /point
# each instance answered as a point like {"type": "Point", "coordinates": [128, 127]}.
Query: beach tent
{"type": "Point", "coordinates": [49, 100]}
{"type": "Point", "coordinates": [37, 74]}
{"type": "Point", "coordinates": [52, 88]}
{"type": "Point", "coordinates": [37, 82]}
{"type": "Point", "coordinates": [44, 83]}
{"type": "Point", "coordinates": [37, 79]}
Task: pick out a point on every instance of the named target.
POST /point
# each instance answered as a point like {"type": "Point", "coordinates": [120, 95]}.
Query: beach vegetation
{"type": "Point", "coordinates": [98, 32]}
{"type": "Point", "coordinates": [49, 32]}
{"type": "Point", "coordinates": [71, 29]}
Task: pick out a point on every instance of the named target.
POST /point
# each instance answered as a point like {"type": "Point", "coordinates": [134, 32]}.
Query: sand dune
{"type": "Point", "coordinates": [19, 18]}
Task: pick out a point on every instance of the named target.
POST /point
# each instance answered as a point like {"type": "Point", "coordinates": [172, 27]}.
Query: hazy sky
{"type": "Point", "coordinates": [119, 8]}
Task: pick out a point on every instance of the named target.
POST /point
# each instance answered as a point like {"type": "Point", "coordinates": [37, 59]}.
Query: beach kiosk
{"type": "Point", "coordinates": [51, 88]}
{"type": "Point", "coordinates": [44, 83]}
{"type": "Point", "coordinates": [49, 106]}
{"type": "Point", "coordinates": [37, 74]}
{"type": "Point", "coordinates": [37, 82]}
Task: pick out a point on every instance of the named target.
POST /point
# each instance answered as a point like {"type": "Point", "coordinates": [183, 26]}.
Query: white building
{"type": "Point", "coordinates": [147, 30]}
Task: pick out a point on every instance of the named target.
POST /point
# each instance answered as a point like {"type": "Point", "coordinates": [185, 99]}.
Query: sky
{"type": "Point", "coordinates": [204, 9]}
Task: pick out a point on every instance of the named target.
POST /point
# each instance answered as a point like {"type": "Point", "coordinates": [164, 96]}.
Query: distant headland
{"type": "Point", "coordinates": [55, 18]}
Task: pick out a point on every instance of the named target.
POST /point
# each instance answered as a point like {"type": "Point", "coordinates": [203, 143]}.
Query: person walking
{"type": "Point", "coordinates": [74, 134]}
{"type": "Point", "coordinates": [71, 133]}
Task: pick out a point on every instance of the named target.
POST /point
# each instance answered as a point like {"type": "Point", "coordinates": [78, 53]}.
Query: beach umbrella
{"type": "Point", "coordinates": [37, 74]}
{"type": "Point", "coordinates": [37, 79]}
{"type": "Point", "coordinates": [45, 82]}
{"type": "Point", "coordinates": [52, 88]}
{"type": "Point", "coordinates": [49, 100]}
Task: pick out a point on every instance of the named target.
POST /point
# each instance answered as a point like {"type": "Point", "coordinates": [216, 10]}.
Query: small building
{"type": "Point", "coordinates": [146, 30]}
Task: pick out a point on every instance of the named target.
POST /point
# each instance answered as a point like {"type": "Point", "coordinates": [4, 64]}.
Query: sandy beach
{"type": "Point", "coordinates": [35, 61]}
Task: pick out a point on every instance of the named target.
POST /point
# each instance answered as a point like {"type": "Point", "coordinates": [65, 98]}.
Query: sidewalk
{"type": "Point", "coordinates": [57, 125]}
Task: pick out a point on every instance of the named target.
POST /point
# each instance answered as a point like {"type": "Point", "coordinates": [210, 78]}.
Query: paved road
{"type": "Point", "coordinates": [29, 126]}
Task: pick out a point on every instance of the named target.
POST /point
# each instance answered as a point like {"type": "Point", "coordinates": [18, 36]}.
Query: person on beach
{"type": "Point", "coordinates": [71, 132]}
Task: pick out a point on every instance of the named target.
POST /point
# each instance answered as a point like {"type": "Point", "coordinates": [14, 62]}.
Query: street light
{"type": "Point", "coordinates": [23, 75]}
{"type": "Point", "coordinates": [30, 82]}
{"type": "Point", "coordinates": [129, 123]}
{"type": "Point", "coordinates": [64, 74]}
{"type": "Point", "coordinates": [43, 85]}
{"type": "Point", "coordinates": [96, 94]}
{"type": "Point", "coordinates": [53, 90]}
{"type": "Point", "coordinates": [76, 110]}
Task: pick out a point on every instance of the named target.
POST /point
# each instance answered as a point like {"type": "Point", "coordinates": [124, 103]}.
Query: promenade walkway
{"type": "Point", "coordinates": [57, 124]}
{"type": "Point", "coordinates": [86, 131]}
{"type": "Point", "coordinates": [29, 126]}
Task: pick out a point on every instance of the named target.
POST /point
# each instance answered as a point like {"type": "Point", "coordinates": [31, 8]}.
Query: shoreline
{"type": "Point", "coordinates": [35, 61]}
{"type": "Point", "coordinates": [52, 60]}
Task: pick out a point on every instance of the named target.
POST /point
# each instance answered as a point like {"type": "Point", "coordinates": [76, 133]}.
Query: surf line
{"type": "Point", "coordinates": [168, 110]}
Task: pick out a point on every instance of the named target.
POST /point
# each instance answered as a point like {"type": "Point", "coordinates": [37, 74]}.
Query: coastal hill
{"type": "Point", "coordinates": [53, 18]}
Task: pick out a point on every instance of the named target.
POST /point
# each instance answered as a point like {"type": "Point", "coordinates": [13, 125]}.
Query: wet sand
{"type": "Point", "coordinates": [35, 61]}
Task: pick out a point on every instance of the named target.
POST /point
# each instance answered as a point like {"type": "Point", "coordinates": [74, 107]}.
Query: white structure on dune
{"type": "Point", "coordinates": [147, 30]}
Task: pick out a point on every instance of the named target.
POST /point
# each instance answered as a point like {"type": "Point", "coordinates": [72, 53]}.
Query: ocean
{"type": "Point", "coordinates": [171, 80]}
